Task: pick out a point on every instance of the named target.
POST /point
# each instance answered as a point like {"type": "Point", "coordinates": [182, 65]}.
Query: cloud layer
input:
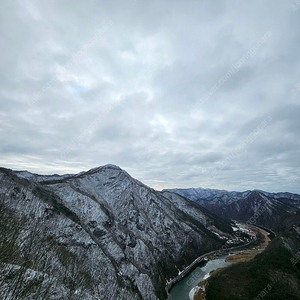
{"type": "Point", "coordinates": [175, 93]}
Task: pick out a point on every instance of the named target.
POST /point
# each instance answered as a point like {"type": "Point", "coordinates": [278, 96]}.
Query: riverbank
{"type": "Point", "coordinates": [248, 255]}
{"type": "Point", "coordinates": [212, 255]}
{"type": "Point", "coordinates": [198, 293]}
{"type": "Point", "coordinates": [205, 257]}
{"type": "Point", "coordinates": [242, 257]}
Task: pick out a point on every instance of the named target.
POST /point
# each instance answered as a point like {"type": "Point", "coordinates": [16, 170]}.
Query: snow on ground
{"type": "Point", "coordinates": [220, 236]}
{"type": "Point", "coordinates": [244, 228]}
{"type": "Point", "coordinates": [193, 292]}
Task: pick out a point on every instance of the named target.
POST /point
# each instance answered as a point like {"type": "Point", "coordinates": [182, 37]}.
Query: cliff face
{"type": "Point", "coordinates": [97, 235]}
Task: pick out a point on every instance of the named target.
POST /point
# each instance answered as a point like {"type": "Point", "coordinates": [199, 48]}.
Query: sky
{"type": "Point", "coordinates": [178, 93]}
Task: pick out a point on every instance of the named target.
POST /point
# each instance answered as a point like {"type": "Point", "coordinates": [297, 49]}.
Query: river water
{"type": "Point", "coordinates": [180, 290]}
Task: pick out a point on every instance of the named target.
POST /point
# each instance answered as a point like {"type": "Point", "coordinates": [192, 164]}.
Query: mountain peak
{"type": "Point", "coordinates": [255, 192]}
{"type": "Point", "coordinates": [111, 166]}
{"type": "Point", "coordinates": [101, 168]}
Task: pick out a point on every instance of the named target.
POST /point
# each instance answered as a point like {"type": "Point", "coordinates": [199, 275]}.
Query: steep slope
{"type": "Point", "coordinates": [97, 235]}
{"type": "Point", "coordinates": [256, 207]}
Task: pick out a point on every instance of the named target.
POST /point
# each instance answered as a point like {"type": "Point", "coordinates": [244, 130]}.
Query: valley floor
{"type": "Point", "coordinates": [272, 274]}
{"type": "Point", "coordinates": [244, 256]}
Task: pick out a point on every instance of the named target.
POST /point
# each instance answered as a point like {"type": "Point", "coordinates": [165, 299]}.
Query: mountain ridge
{"type": "Point", "coordinates": [264, 208]}
{"type": "Point", "coordinates": [101, 219]}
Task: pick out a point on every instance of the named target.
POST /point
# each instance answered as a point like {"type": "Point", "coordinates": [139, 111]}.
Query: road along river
{"type": "Point", "coordinates": [186, 287]}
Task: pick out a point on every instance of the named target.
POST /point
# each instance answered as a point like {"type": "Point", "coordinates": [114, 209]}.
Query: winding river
{"type": "Point", "coordinates": [181, 289]}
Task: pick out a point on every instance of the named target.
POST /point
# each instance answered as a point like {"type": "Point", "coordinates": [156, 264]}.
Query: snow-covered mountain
{"type": "Point", "coordinates": [37, 177]}
{"type": "Point", "coordinates": [257, 207]}
{"type": "Point", "coordinates": [99, 234]}
{"type": "Point", "coordinates": [210, 196]}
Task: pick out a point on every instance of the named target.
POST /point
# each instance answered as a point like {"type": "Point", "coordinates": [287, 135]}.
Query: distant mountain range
{"type": "Point", "coordinates": [99, 234]}
{"type": "Point", "coordinates": [258, 207]}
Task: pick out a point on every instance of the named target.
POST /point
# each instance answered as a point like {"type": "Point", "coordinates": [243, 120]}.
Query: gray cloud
{"type": "Point", "coordinates": [141, 84]}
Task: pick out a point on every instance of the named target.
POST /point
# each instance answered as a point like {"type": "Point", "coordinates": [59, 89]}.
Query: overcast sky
{"type": "Point", "coordinates": [178, 93]}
